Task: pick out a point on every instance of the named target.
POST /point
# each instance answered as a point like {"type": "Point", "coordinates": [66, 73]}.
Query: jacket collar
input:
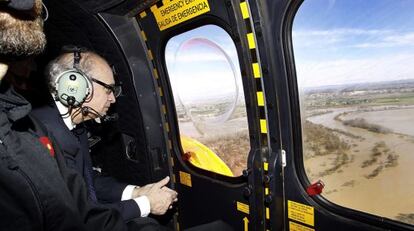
{"type": "Point", "coordinates": [13, 105]}
{"type": "Point", "coordinates": [67, 119]}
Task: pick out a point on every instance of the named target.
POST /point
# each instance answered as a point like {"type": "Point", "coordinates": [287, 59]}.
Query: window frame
{"type": "Point", "coordinates": [239, 88]}
{"type": "Point", "coordinates": [248, 97]}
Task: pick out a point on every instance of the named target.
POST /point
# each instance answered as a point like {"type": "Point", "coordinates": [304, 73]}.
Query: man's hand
{"type": "Point", "coordinates": [160, 196]}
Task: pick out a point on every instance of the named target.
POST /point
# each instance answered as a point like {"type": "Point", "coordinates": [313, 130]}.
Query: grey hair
{"type": "Point", "coordinates": [64, 62]}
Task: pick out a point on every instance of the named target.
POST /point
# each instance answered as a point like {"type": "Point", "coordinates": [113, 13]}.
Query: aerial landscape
{"type": "Point", "coordinates": [358, 139]}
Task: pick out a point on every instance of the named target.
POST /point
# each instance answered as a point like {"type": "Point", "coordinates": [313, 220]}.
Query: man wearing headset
{"type": "Point", "coordinates": [83, 87]}
{"type": "Point", "coordinates": [37, 190]}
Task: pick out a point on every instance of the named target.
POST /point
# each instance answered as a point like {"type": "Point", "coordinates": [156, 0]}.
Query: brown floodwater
{"type": "Point", "coordinates": [389, 193]}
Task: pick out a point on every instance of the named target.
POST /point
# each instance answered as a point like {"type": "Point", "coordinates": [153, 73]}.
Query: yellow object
{"type": "Point", "coordinates": [177, 11]}
{"type": "Point", "coordinates": [267, 213]}
{"type": "Point", "coordinates": [242, 207]}
{"type": "Point", "coordinates": [263, 126]}
{"type": "Point", "coordinates": [300, 212]}
{"type": "Point", "coordinates": [297, 227]}
{"type": "Point", "coordinates": [246, 224]}
{"type": "Point", "coordinates": [260, 98]}
{"type": "Point", "coordinates": [143, 35]}
{"type": "Point", "coordinates": [202, 157]}
{"type": "Point", "coordinates": [265, 166]}
{"type": "Point", "coordinates": [143, 14]}
{"type": "Point", "coordinates": [185, 179]}
{"type": "Point", "coordinates": [244, 10]}
{"type": "Point", "coordinates": [256, 70]}
{"type": "Point", "coordinates": [250, 40]}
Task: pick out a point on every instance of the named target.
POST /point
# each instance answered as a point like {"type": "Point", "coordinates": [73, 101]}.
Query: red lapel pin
{"type": "Point", "coordinates": [46, 142]}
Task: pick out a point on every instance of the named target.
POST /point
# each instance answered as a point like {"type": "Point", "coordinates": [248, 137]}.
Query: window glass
{"type": "Point", "coordinates": [355, 73]}
{"type": "Point", "coordinates": [205, 78]}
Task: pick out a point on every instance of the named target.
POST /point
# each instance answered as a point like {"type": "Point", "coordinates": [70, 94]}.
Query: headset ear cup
{"type": "Point", "coordinates": [72, 87]}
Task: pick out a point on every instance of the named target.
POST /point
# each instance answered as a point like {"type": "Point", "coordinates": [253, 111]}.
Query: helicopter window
{"type": "Point", "coordinates": [206, 82]}
{"type": "Point", "coordinates": [355, 75]}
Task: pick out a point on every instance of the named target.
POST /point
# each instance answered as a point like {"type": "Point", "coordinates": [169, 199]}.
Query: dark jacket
{"type": "Point", "coordinates": [37, 191]}
{"type": "Point", "coordinates": [76, 152]}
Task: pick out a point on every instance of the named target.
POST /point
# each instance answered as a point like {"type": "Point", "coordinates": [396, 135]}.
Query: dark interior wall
{"type": "Point", "coordinates": [73, 23]}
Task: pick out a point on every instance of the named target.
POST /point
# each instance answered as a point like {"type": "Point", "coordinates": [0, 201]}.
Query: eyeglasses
{"type": "Point", "coordinates": [116, 89]}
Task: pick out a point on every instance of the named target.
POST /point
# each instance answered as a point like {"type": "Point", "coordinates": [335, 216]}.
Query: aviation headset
{"type": "Point", "coordinates": [73, 86]}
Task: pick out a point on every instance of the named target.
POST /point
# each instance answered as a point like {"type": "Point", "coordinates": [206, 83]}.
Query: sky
{"type": "Point", "coordinates": [335, 42]}
{"type": "Point", "coordinates": [203, 65]}
{"type": "Point", "coordinates": [338, 42]}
